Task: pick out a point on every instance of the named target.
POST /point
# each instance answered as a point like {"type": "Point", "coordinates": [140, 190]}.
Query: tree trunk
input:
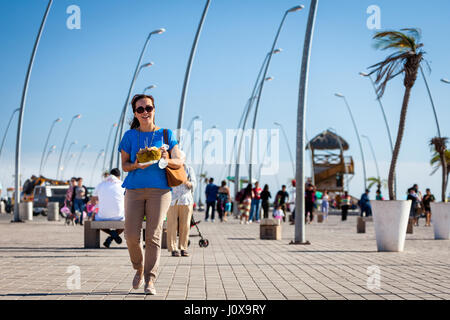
{"type": "Point", "coordinates": [444, 175]}
{"type": "Point", "coordinates": [398, 142]}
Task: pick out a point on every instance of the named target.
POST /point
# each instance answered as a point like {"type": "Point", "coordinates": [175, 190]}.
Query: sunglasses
{"type": "Point", "coordinates": [147, 108]}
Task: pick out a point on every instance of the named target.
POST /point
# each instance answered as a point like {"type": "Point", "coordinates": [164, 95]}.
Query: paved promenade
{"type": "Point", "coordinates": [35, 258]}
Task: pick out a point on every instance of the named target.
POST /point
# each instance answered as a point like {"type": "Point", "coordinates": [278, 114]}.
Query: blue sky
{"type": "Point", "coordinates": [88, 71]}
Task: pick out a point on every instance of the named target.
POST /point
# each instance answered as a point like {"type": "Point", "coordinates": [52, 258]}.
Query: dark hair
{"type": "Point", "coordinates": [283, 186]}
{"type": "Point", "coordinates": [224, 183]}
{"type": "Point", "coordinates": [266, 187]}
{"type": "Point", "coordinates": [248, 190]}
{"type": "Point", "coordinates": [135, 122]}
{"type": "Point", "coordinates": [211, 180]}
{"type": "Point", "coordinates": [80, 178]}
{"type": "Point", "coordinates": [115, 172]}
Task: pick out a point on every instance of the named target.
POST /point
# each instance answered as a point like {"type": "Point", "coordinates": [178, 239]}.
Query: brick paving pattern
{"type": "Point", "coordinates": [35, 257]}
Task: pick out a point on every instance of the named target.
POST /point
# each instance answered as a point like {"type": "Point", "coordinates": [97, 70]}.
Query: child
{"type": "Point", "coordinates": [278, 213]}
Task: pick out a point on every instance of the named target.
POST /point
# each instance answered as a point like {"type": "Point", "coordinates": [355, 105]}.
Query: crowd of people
{"type": "Point", "coordinates": [253, 203]}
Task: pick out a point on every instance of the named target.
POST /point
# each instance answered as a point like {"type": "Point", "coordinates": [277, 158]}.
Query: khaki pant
{"type": "Point", "coordinates": [184, 214]}
{"type": "Point", "coordinates": [153, 204]}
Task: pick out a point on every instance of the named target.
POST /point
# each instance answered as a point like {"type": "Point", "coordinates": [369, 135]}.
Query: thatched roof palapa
{"type": "Point", "coordinates": [327, 140]}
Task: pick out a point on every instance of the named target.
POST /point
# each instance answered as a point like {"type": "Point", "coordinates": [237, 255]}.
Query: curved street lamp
{"type": "Point", "coordinates": [6, 131]}
{"type": "Point", "coordinates": [100, 153]}
{"type": "Point", "coordinates": [46, 142]}
{"type": "Point", "coordinates": [289, 148]}
{"type": "Point", "coordinates": [66, 158]}
{"type": "Point", "coordinates": [58, 169]}
{"type": "Point", "coordinates": [50, 151]}
{"type": "Point", "coordinates": [127, 100]}
{"type": "Point", "coordinates": [107, 145]}
{"type": "Point", "coordinates": [294, 9]}
{"type": "Point", "coordinates": [374, 158]}
{"type": "Point", "coordinates": [188, 69]}
{"type": "Point", "coordinates": [79, 159]}
{"type": "Point", "coordinates": [243, 121]}
{"type": "Point", "coordinates": [21, 114]}
{"type": "Point", "coordinates": [445, 81]}
{"type": "Point", "coordinates": [357, 135]}
{"type": "Point", "coordinates": [189, 130]}
{"type": "Point", "coordinates": [149, 88]}
{"type": "Point", "coordinates": [299, 233]}
{"type": "Point", "coordinates": [238, 156]}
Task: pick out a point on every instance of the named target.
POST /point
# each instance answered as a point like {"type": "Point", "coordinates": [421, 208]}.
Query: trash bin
{"type": "Point", "coordinates": [26, 211]}
{"type": "Point", "coordinates": [53, 211]}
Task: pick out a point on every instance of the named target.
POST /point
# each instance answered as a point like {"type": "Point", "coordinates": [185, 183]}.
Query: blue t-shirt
{"type": "Point", "coordinates": [211, 192]}
{"type": "Point", "coordinates": [152, 176]}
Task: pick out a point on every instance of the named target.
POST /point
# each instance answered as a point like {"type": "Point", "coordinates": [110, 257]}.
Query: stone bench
{"type": "Point", "coordinates": [361, 224]}
{"type": "Point", "coordinates": [270, 229]}
{"type": "Point", "coordinates": [92, 232]}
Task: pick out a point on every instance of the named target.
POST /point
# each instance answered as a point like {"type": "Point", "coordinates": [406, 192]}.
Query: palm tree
{"type": "Point", "coordinates": [376, 181]}
{"type": "Point", "coordinates": [406, 59]}
{"type": "Point", "coordinates": [441, 156]}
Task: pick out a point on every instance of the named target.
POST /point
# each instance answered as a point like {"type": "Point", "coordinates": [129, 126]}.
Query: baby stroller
{"type": "Point", "coordinates": [203, 243]}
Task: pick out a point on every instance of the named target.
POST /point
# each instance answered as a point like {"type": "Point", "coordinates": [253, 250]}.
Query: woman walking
{"type": "Point", "coordinates": [325, 206]}
{"type": "Point", "coordinates": [147, 191]}
{"type": "Point", "coordinates": [180, 213]}
{"type": "Point", "coordinates": [246, 203]}
{"type": "Point", "coordinates": [427, 199]}
{"type": "Point", "coordinates": [345, 205]}
{"type": "Point", "coordinates": [265, 195]}
{"type": "Point", "coordinates": [223, 197]}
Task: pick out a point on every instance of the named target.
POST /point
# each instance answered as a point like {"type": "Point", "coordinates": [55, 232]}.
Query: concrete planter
{"type": "Point", "coordinates": [390, 221]}
{"type": "Point", "coordinates": [440, 217]}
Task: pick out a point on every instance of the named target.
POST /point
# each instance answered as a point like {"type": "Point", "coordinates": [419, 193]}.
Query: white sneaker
{"type": "Point", "coordinates": [206, 220]}
{"type": "Point", "coordinates": [212, 220]}
{"type": "Point", "coordinates": [246, 222]}
{"type": "Point", "coordinates": [242, 221]}
{"type": "Point", "coordinates": [257, 221]}
{"type": "Point", "coordinates": [249, 221]}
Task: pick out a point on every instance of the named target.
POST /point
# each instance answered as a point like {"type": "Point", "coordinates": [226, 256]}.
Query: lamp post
{"type": "Point", "coordinates": [58, 169]}
{"type": "Point", "coordinates": [445, 81]}
{"type": "Point", "coordinates": [188, 69]}
{"type": "Point", "coordinates": [66, 164]}
{"type": "Point", "coordinates": [238, 156]}
{"type": "Point", "coordinates": [125, 106]}
{"type": "Point", "coordinates": [431, 101]}
{"type": "Point", "coordinates": [374, 159]}
{"type": "Point", "coordinates": [107, 145]}
{"type": "Point", "coordinates": [67, 154]}
{"type": "Point", "coordinates": [287, 143]}
{"type": "Point", "coordinates": [6, 131]}
{"type": "Point", "coordinates": [50, 151]}
{"type": "Point", "coordinates": [20, 121]}
{"type": "Point", "coordinates": [149, 88]}
{"type": "Point", "coordinates": [122, 115]}
{"type": "Point", "coordinates": [294, 9]}
{"type": "Point", "coordinates": [189, 130]}
{"type": "Point", "coordinates": [244, 117]}
{"type": "Point", "coordinates": [357, 135]}
{"type": "Point", "coordinates": [46, 142]}
{"type": "Point", "coordinates": [79, 159]}
{"type": "Point", "coordinates": [299, 237]}
{"type": "Point", "coordinates": [101, 153]}
{"type": "Point", "coordinates": [385, 120]}
{"type": "Point", "coordinates": [207, 142]}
